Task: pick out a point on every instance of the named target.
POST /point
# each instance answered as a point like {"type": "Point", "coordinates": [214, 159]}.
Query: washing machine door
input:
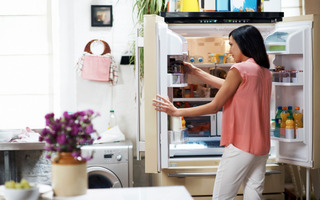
{"type": "Point", "coordinates": [100, 177]}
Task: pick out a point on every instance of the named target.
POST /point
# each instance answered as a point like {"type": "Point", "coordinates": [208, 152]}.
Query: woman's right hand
{"type": "Point", "coordinates": [190, 68]}
{"type": "Point", "coordinates": [164, 105]}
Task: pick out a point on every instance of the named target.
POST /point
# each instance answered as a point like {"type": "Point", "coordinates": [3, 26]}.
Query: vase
{"type": "Point", "coordinates": [69, 175]}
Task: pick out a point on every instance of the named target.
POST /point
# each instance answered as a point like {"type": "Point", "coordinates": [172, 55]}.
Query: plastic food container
{"type": "Point", "coordinates": [285, 76]}
{"type": "Point", "coordinates": [296, 76]}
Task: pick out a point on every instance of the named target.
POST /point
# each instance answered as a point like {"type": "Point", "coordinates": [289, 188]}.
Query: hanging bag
{"type": "Point", "coordinates": [96, 67]}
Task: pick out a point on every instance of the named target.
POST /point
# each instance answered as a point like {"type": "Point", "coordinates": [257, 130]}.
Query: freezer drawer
{"type": "Point", "coordinates": [199, 181]}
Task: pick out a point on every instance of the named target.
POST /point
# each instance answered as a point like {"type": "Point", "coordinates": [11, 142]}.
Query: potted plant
{"type": "Point", "coordinates": [65, 136]}
{"type": "Point", "coordinates": [141, 8]}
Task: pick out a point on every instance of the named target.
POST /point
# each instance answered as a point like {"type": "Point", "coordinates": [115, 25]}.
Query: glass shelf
{"type": "Point", "coordinates": [192, 99]}
{"type": "Point", "coordinates": [205, 65]}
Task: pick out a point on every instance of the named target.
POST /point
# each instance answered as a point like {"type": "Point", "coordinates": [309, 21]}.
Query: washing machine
{"type": "Point", "coordinates": [111, 166]}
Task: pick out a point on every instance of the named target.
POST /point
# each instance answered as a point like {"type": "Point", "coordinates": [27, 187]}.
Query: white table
{"type": "Point", "coordinates": [133, 193]}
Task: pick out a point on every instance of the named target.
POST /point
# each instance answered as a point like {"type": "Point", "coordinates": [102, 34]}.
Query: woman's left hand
{"type": "Point", "coordinates": [165, 106]}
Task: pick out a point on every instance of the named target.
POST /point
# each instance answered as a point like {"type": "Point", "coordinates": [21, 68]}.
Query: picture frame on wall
{"type": "Point", "coordinates": [101, 15]}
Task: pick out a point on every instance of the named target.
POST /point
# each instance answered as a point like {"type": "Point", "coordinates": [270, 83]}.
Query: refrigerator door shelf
{"type": "Point", "coordinates": [286, 84]}
{"type": "Point", "coordinates": [286, 140]}
{"type": "Point", "coordinates": [299, 138]}
{"type": "Point", "coordinates": [177, 45]}
{"type": "Point", "coordinates": [177, 80]}
{"type": "Point", "coordinates": [286, 41]}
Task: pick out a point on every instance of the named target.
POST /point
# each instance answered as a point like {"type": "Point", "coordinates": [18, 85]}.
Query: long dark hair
{"type": "Point", "coordinates": [251, 44]}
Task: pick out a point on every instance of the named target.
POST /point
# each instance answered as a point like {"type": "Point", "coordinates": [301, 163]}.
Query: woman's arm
{"type": "Point", "coordinates": [209, 79]}
{"type": "Point", "coordinates": [229, 87]}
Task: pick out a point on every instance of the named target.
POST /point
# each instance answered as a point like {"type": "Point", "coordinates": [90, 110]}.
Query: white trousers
{"type": "Point", "coordinates": [239, 167]}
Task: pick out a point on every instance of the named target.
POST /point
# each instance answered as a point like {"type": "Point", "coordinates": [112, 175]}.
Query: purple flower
{"type": "Point", "coordinates": [48, 148]}
{"type": "Point", "coordinates": [49, 117]}
{"type": "Point", "coordinates": [69, 132]}
{"type": "Point", "coordinates": [48, 140]}
{"type": "Point", "coordinates": [89, 129]}
{"type": "Point", "coordinates": [90, 112]}
{"type": "Point", "coordinates": [75, 154]}
{"type": "Point", "coordinates": [61, 139]}
{"type": "Point", "coordinates": [74, 131]}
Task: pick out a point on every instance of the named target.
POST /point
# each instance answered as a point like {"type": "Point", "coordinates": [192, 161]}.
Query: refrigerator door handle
{"type": "Point", "coordinates": [190, 174]}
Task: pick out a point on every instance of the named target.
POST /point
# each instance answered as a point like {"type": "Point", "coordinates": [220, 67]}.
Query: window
{"type": "Point", "coordinates": [27, 75]}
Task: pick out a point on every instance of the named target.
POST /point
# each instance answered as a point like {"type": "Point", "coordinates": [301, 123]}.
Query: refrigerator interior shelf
{"type": "Point", "coordinates": [213, 65]}
{"type": "Point", "coordinates": [192, 99]}
{"type": "Point", "coordinates": [178, 85]}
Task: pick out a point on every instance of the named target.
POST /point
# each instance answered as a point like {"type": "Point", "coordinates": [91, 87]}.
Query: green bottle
{"type": "Point", "coordinates": [290, 111]}
{"type": "Point", "coordinates": [278, 122]}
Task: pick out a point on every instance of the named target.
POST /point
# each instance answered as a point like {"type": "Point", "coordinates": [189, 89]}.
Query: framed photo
{"type": "Point", "coordinates": [101, 15]}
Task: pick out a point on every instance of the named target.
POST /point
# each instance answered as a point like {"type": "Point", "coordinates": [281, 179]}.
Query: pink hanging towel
{"type": "Point", "coordinates": [96, 68]}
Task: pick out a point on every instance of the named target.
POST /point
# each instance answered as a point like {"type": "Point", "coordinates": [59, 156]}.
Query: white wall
{"type": "Point", "coordinates": [75, 32]}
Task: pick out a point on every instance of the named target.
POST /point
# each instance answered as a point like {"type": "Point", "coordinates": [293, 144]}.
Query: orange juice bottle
{"type": "Point", "coordinates": [284, 114]}
{"type": "Point", "coordinates": [297, 116]}
{"type": "Point", "coordinates": [289, 128]}
{"type": "Point", "coordinates": [183, 123]}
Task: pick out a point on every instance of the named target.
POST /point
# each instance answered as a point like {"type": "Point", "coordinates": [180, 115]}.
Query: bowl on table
{"type": "Point", "coordinates": [22, 194]}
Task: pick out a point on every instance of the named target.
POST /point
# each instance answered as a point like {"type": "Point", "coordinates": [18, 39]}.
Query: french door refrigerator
{"type": "Point", "coordinates": [292, 43]}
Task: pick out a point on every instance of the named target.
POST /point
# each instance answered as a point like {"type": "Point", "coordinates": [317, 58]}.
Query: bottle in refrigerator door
{"type": "Point", "coordinates": [278, 122]}
{"type": "Point", "coordinates": [290, 111]}
{"type": "Point", "coordinates": [112, 120]}
{"type": "Point", "coordinates": [272, 127]}
{"type": "Point", "coordinates": [297, 116]}
{"type": "Point", "coordinates": [284, 114]}
{"type": "Point", "coordinates": [289, 128]}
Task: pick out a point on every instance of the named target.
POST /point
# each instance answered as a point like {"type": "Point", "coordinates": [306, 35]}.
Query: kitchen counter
{"type": "Point", "coordinates": [8, 149]}
{"type": "Point", "coordinates": [15, 146]}
{"type": "Point", "coordinates": [133, 193]}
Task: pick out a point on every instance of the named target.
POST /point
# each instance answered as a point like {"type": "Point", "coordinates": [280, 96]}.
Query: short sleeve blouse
{"type": "Point", "coordinates": [246, 115]}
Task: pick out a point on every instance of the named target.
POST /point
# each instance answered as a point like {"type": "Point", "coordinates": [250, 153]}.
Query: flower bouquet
{"type": "Point", "coordinates": [68, 133]}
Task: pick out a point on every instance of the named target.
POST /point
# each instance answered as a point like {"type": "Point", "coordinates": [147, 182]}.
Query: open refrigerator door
{"type": "Point", "coordinates": [291, 44]}
{"type": "Point", "coordinates": [161, 42]}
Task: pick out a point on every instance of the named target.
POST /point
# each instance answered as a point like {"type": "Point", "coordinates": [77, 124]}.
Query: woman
{"type": "Point", "coordinates": [245, 98]}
